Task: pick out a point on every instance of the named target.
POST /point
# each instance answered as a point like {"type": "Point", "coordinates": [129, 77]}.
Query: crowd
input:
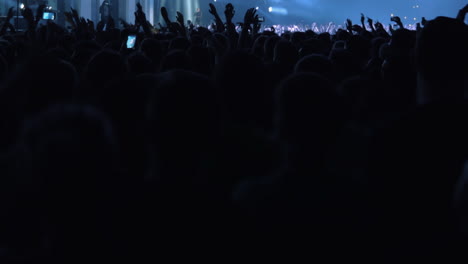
{"type": "Point", "coordinates": [223, 145]}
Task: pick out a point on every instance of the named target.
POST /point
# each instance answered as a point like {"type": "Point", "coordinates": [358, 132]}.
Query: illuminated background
{"type": "Point", "coordinates": [275, 11]}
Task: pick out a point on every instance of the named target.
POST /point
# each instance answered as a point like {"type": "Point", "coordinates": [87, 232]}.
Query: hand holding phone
{"type": "Point", "coordinates": [48, 16]}
{"type": "Point", "coordinates": [131, 41]}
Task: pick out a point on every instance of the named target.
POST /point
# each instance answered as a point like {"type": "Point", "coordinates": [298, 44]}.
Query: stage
{"type": "Point", "coordinates": [274, 11]}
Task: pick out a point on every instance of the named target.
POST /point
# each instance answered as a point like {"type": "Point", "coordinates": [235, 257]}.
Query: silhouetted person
{"type": "Point", "coordinates": [198, 15]}
{"type": "Point", "coordinates": [440, 56]}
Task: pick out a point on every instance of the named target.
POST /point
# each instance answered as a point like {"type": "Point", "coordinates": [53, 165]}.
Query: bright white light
{"type": "Point", "coordinates": [278, 10]}
{"type": "Point", "coordinates": [22, 6]}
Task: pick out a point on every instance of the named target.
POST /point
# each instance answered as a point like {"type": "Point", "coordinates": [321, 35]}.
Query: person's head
{"type": "Point", "coordinates": [240, 79]}
{"type": "Point", "coordinates": [344, 64]}
{"type": "Point", "coordinates": [315, 64]}
{"type": "Point", "coordinates": [314, 46]}
{"type": "Point", "coordinates": [64, 141]}
{"type": "Point", "coordinates": [402, 42]}
{"type": "Point", "coordinates": [257, 48]}
{"type": "Point", "coordinates": [441, 56]}
{"type": "Point", "coordinates": [153, 50]}
{"type": "Point", "coordinates": [297, 38]}
{"type": "Point", "coordinates": [176, 60]}
{"type": "Point", "coordinates": [308, 109]}
{"type": "Point", "coordinates": [41, 81]}
{"type": "Point", "coordinates": [182, 121]}
{"type": "Point", "coordinates": [68, 175]}
{"type": "Point", "coordinates": [83, 51]}
{"type": "Point", "coordinates": [104, 67]}
{"type": "Point", "coordinates": [359, 47]}
{"type": "Point", "coordinates": [269, 47]}
{"type": "Point", "coordinates": [203, 58]}
{"type": "Point", "coordinates": [285, 53]}
{"type": "Point", "coordinates": [377, 43]}
{"type": "Point", "coordinates": [179, 43]}
{"type": "Point", "coordinates": [139, 63]}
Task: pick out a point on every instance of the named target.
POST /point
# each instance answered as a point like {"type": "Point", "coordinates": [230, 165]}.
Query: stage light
{"type": "Point", "coordinates": [278, 10]}
{"type": "Point", "coordinates": [21, 6]}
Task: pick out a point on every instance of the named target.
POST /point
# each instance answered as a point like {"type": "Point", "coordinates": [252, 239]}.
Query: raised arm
{"type": "Point", "coordinates": [219, 23]}
{"type": "Point", "coordinates": [7, 24]}
{"type": "Point", "coordinates": [370, 22]}
{"type": "Point", "coordinates": [231, 27]}
{"type": "Point", "coordinates": [349, 25]}
{"type": "Point", "coordinates": [181, 22]}
{"type": "Point", "coordinates": [229, 13]}
{"type": "Point", "coordinates": [245, 37]}
{"type": "Point", "coordinates": [363, 22]}
{"type": "Point", "coordinates": [165, 16]}
{"type": "Point", "coordinates": [397, 20]}
{"type": "Point", "coordinates": [140, 17]}
{"type": "Point", "coordinates": [462, 14]}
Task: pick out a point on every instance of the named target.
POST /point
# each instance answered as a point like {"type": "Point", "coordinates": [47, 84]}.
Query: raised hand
{"type": "Point", "coordinates": [7, 25]}
{"type": "Point", "coordinates": [257, 25]}
{"type": "Point", "coordinates": [250, 17]}
{"type": "Point", "coordinates": [219, 23]}
{"type": "Point", "coordinates": [370, 22]}
{"type": "Point", "coordinates": [464, 9]}
{"type": "Point", "coordinates": [69, 19]}
{"type": "Point", "coordinates": [11, 13]}
{"type": "Point", "coordinates": [165, 15]}
{"type": "Point", "coordinates": [397, 20]}
{"type": "Point", "coordinates": [349, 25]}
{"type": "Point", "coordinates": [29, 16]}
{"type": "Point", "coordinates": [40, 12]}
{"type": "Point", "coordinates": [229, 12]}
{"type": "Point", "coordinates": [180, 24]}
{"type": "Point", "coordinates": [180, 18]}
{"type": "Point", "coordinates": [462, 13]}
{"type": "Point", "coordinates": [363, 18]}
{"type": "Point", "coordinates": [423, 21]}
{"type": "Point", "coordinates": [139, 7]}
{"type": "Point", "coordinates": [140, 16]}
{"type": "Point", "coordinates": [213, 10]}
{"type": "Point", "coordinates": [75, 15]}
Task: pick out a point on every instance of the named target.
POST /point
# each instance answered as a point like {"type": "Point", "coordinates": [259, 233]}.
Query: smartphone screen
{"type": "Point", "coordinates": [131, 41]}
{"type": "Point", "coordinates": [261, 19]}
{"type": "Point", "coordinates": [48, 16]}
